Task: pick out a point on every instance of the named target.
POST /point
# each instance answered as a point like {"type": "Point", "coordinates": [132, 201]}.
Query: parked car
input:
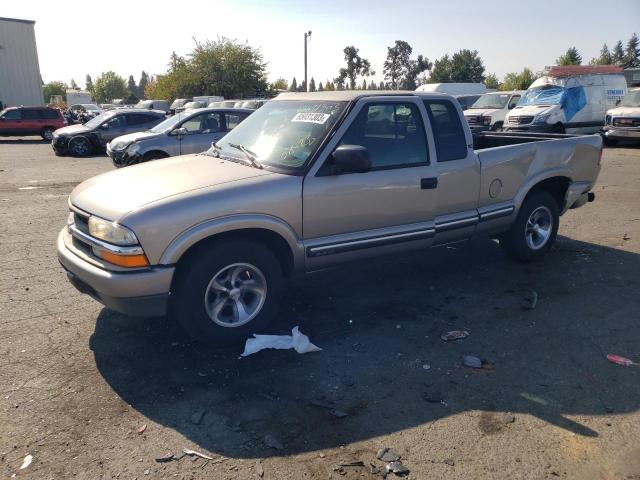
{"type": "Point", "coordinates": [19, 121]}
{"type": "Point", "coordinates": [82, 113]}
{"type": "Point", "coordinates": [306, 182]}
{"type": "Point", "coordinates": [153, 105]}
{"type": "Point", "coordinates": [192, 131]}
{"type": "Point", "coordinates": [454, 88]}
{"type": "Point", "coordinates": [623, 122]}
{"type": "Point", "coordinates": [466, 101]}
{"type": "Point", "coordinates": [190, 106]}
{"type": "Point", "coordinates": [83, 140]}
{"type": "Point", "coordinates": [254, 104]}
{"type": "Point", "coordinates": [178, 103]}
{"type": "Point", "coordinates": [568, 99]}
{"type": "Point", "coordinates": [488, 112]}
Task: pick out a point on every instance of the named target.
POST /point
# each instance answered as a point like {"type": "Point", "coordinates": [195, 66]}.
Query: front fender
{"type": "Point", "coordinates": [185, 240]}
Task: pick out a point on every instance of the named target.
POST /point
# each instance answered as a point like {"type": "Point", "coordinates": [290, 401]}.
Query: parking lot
{"type": "Point", "coordinates": [94, 394]}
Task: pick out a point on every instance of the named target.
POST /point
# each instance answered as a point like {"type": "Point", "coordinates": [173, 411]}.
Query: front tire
{"type": "Point", "coordinates": [47, 134]}
{"type": "Point", "coordinates": [79, 146]}
{"type": "Point", "coordinates": [532, 234]}
{"type": "Point", "coordinates": [224, 292]}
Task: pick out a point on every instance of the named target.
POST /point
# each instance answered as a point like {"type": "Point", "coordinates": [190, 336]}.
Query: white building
{"type": "Point", "coordinates": [20, 80]}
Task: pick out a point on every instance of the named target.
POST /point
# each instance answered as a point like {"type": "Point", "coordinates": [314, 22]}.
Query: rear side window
{"type": "Point", "coordinates": [50, 114]}
{"type": "Point", "coordinates": [392, 132]}
{"type": "Point", "coordinates": [451, 143]}
{"type": "Point", "coordinates": [33, 114]}
{"type": "Point", "coordinates": [233, 119]}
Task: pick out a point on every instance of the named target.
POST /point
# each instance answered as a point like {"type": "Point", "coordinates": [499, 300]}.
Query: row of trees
{"type": "Point", "coordinates": [627, 57]}
{"type": "Point", "coordinates": [107, 87]}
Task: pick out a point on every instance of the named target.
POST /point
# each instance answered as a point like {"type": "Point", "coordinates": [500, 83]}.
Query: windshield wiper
{"type": "Point", "coordinates": [252, 157]}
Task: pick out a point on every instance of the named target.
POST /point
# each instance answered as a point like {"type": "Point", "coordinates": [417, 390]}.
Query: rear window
{"type": "Point", "coordinates": [451, 143]}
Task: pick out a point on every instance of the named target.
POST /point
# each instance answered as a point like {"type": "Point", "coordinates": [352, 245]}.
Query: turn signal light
{"type": "Point", "coordinates": [129, 261]}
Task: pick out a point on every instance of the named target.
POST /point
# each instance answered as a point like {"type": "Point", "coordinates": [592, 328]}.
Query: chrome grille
{"type": "Point", "coordinates": [626, 122]}
{"type": "Point", "coordinates": [520, 120]}
{"type": "Point", "coordinates": [473, 120]}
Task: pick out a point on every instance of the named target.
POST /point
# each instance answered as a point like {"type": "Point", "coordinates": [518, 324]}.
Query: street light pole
{"type": "Point", "coordinates": [306, 36]}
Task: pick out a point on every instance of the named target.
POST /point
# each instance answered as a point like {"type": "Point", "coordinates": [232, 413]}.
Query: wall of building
{"type": "Point", "coordinates": [20, 80]}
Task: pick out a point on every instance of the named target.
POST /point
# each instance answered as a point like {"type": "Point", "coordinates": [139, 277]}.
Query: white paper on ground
{"type": "Point", "coordinates": [297, 340]}
{"type": "Point", "coordinates": [26, 462]}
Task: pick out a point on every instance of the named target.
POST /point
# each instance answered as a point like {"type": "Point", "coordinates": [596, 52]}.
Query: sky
{"type": "Point", "coordinates": [131, 36]}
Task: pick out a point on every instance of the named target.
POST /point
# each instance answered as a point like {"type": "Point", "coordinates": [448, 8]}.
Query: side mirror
{"type": "Point", "coordinates": [512, 105]}
{"type": "Point", "coordinates": [618, 102]}
{"type": "Point", "coordinates": [104, 126]}
{"type": "Point", "coordinates": [179, 131]}
{"type": "Point", "coordinates": [351, 159]}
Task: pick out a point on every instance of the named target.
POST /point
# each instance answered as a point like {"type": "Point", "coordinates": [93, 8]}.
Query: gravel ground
{"type": "Point", "coordinates": [92, 394]}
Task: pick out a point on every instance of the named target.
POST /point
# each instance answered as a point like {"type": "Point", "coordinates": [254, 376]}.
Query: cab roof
{"type": "Point", "coordinates": [352, 95]}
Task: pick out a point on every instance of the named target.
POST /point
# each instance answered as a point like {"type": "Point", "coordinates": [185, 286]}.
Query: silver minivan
{"type": "Point", "coordinates": [191, 131]}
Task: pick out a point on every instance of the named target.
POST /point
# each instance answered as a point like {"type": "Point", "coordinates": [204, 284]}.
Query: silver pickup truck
{"type": "Point", "coordinates": [308, 181]}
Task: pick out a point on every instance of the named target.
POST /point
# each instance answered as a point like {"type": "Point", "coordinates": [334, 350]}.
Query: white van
{"type": "Point", "coordinates": [454, 88]}
{"type": "Point", "coordinates": [623, 122]}
{"type": "Point", "coordinates": [489, 111]}
{"type": "Point", "coordinates": [568, 100]}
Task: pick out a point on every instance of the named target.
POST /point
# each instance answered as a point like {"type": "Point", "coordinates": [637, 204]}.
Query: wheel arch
{"type": "Point", "coordinates": [147, 154]}
{"type": "Point", "coordinates": [556, 183]}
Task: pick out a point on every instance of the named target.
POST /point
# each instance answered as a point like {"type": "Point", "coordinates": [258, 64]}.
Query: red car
{"type": "Point", "coordinates": [18, 121]}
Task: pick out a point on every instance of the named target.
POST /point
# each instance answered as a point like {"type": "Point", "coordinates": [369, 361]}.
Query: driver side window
{"type": "Point", "coordinates": [514, 101]}
{"type": "Point", "coordinates": [115, 122]}
{"type": "Point", "coordinates": [194, 124]}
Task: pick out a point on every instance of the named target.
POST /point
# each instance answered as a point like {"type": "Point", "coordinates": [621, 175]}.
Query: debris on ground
{"type": "Point", "coordinates": [357, 463]}
{"type": "Point", "coordinates": [530, 300]}
{"type": "Point", "coordinates": [626, 237]}
{"type": "Point", "coordinates": [193, 453]}
{"type": "Point", "coordinates": [167, 458]}
{"type": "Point", "coordinates": [625, 362]}
{"type": "Point", "coordinates": [272, 442]}
{"type": "Point", "coordinates": [197, 417]}
{"type": "Point", "coordinates": [336, 412]}
{"type": "Point", "coordinates": [426, 366]}
{"type": "Point", "coordinates": [259, 468]}
{"type": "Point", "coordinates": [449, 461]}
{"type": "Point", "coordinates": [398, 468]}
{"type": "Point", "coordinates": [454, 335]}
{"type": "Point", "coordinates": [471, 361]}
{"type": "Point", "coordinates": [142, 429]}
{"type": "Point", "coordinates": [388, 455]}
{"type": "Point", "coordinates": [297, 340]}
{"type": "Point", "coordinates": [26, 462]}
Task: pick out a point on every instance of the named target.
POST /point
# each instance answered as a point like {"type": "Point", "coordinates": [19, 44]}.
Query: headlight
{"type": "Point", "coordinates": [486, 121]}
{"type": "Point", "coordinates": [540, 119]}
{"type": "Point", "coordinates": [133, 149]}
{"type": "Point", "coordinates": [119, 146]}
{"type": "Point", "coordinates": [111, 232]}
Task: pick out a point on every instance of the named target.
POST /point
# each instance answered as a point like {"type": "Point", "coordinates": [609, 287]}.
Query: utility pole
{"type": "Point", "coordinates": [306, 36]}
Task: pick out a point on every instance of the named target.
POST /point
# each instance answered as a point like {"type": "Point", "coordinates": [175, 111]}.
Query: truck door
{"type": "Point", "coordinates": [389, 208]}
{"type": "Point", "coordinates": [458, 172]}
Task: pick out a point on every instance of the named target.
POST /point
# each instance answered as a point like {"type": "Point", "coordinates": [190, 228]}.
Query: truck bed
{"type": "Point", "coordinates": [483, 140]}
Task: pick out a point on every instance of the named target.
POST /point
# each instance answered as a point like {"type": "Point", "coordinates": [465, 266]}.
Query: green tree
{"type": "Point", "coordinates": [400, 70]}
{"type": "Point", "coordinates": [303, 87]}
{"type": "Point", "coordinates": [356, 67]}
{"type": "Point", "coordinates": [372, 85]}
{"type": "Point", "coordinates": [54, 88]}
{"type": "Point", "coordinates": [605, 57]}
{"type": "Point", "coordinates": [491, 81]}
{"type": "Point", "coordinates": [150, 88]}
{"type": "Point", "coordinates": [312, 85]}
{"type": "Point", "coordinates": [570, 57]}
{"type": "Point", "coordinates": [632, 53]}
{"type": "Point", "coordinates": [294, 85]}
{"type": "Point", "coordinates": [131, 85]}
{"type": "Point", "coordinates": [280, 84]}
{"type": "Point", "coordinates": [108, 86]}
{"type": "Point", "coordinates": [364, 84]}
{"type": "Point", "coordinates": [142, 84]}
{"type": "Point", "coordinates": [382, 86]}
{"type": "Point", "coordinates": [320, 87]}
{"type": "Point", "coordinates": [88, 84]}
{"type": "Point", "coordinates": [518, 81]}
{"type": "Point", "coordinates": [329, 86]}
{"type": "Point", "coordinates": [617, 57]}
{"type": "Point", "coordinates": [74, 85]}
{"type": "Point", "coordinates": [462, 66]}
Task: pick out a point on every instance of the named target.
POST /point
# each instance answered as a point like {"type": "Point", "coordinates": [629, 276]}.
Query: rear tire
{"type": "Point", "coordinates": [79, 146]}
{"type": "Point", "coordinates": [224, 292]}
{"type": "Point", "coordinates": [532, 234]}
{"type": "Point", "coordinates": [47, 133]}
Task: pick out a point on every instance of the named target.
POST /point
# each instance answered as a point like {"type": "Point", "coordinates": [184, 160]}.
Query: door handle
{"type": "Point", "coordinates": [428, 183]}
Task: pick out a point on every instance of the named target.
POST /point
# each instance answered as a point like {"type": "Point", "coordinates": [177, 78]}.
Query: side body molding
{"type": "Point", "coordinates": [194, 234]}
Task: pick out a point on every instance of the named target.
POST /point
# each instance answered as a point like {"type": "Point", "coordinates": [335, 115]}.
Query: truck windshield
{"type": "Point", "coordinates": [631, 99]}
{"type": "Point", "coordinates": [97, 121]}
{"type": "Point", "coordinates": [492, 100]}
{"type": "Point", "coordinates": [283, 134]}
{"type": "Point", "coordinates": [544, 95]}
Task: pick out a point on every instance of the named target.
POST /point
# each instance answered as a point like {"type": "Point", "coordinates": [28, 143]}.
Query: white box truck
{"type": "Point", "coordinates": [570, 99]}
{"type": "Point", "coordinates": [465, 93]}
{"type": "Point", "coordinates": [78, 97]}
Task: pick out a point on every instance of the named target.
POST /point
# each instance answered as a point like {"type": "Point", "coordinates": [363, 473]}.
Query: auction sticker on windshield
{"type": "Point", "coordinates": [308, 117]}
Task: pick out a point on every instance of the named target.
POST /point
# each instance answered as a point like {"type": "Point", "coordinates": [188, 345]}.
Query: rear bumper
{"type": "Point", "coordinates": [577, 195]}
{"type": "Point", "coordinates": [143, 292]}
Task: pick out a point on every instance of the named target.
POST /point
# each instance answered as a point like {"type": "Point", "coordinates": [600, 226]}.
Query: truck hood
{"type": "Point", "coordinates": [114, 194]}
{"type": "Point", "coordinates": [532, 110]}
{"type": "Point", "coordinates": [72, 130]}
{"type": "Point", "coordinates": [624, 112]}
{"type": "Point", "coordinates": [485, 112]}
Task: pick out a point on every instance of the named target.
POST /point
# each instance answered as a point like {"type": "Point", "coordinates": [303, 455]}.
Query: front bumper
{"type": "Point", "coordinates": [140, 292]}
{"type": "Point", "coordinates": [121, 158]}
{"type": "Point", "coordinates": [542, 128]}
{"type": "Point", "coordinates": [621, 133]}
{"type": "Point", "coordinates": [59, 145]}
{"type": "Point", "coordinates": [479, 128]}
